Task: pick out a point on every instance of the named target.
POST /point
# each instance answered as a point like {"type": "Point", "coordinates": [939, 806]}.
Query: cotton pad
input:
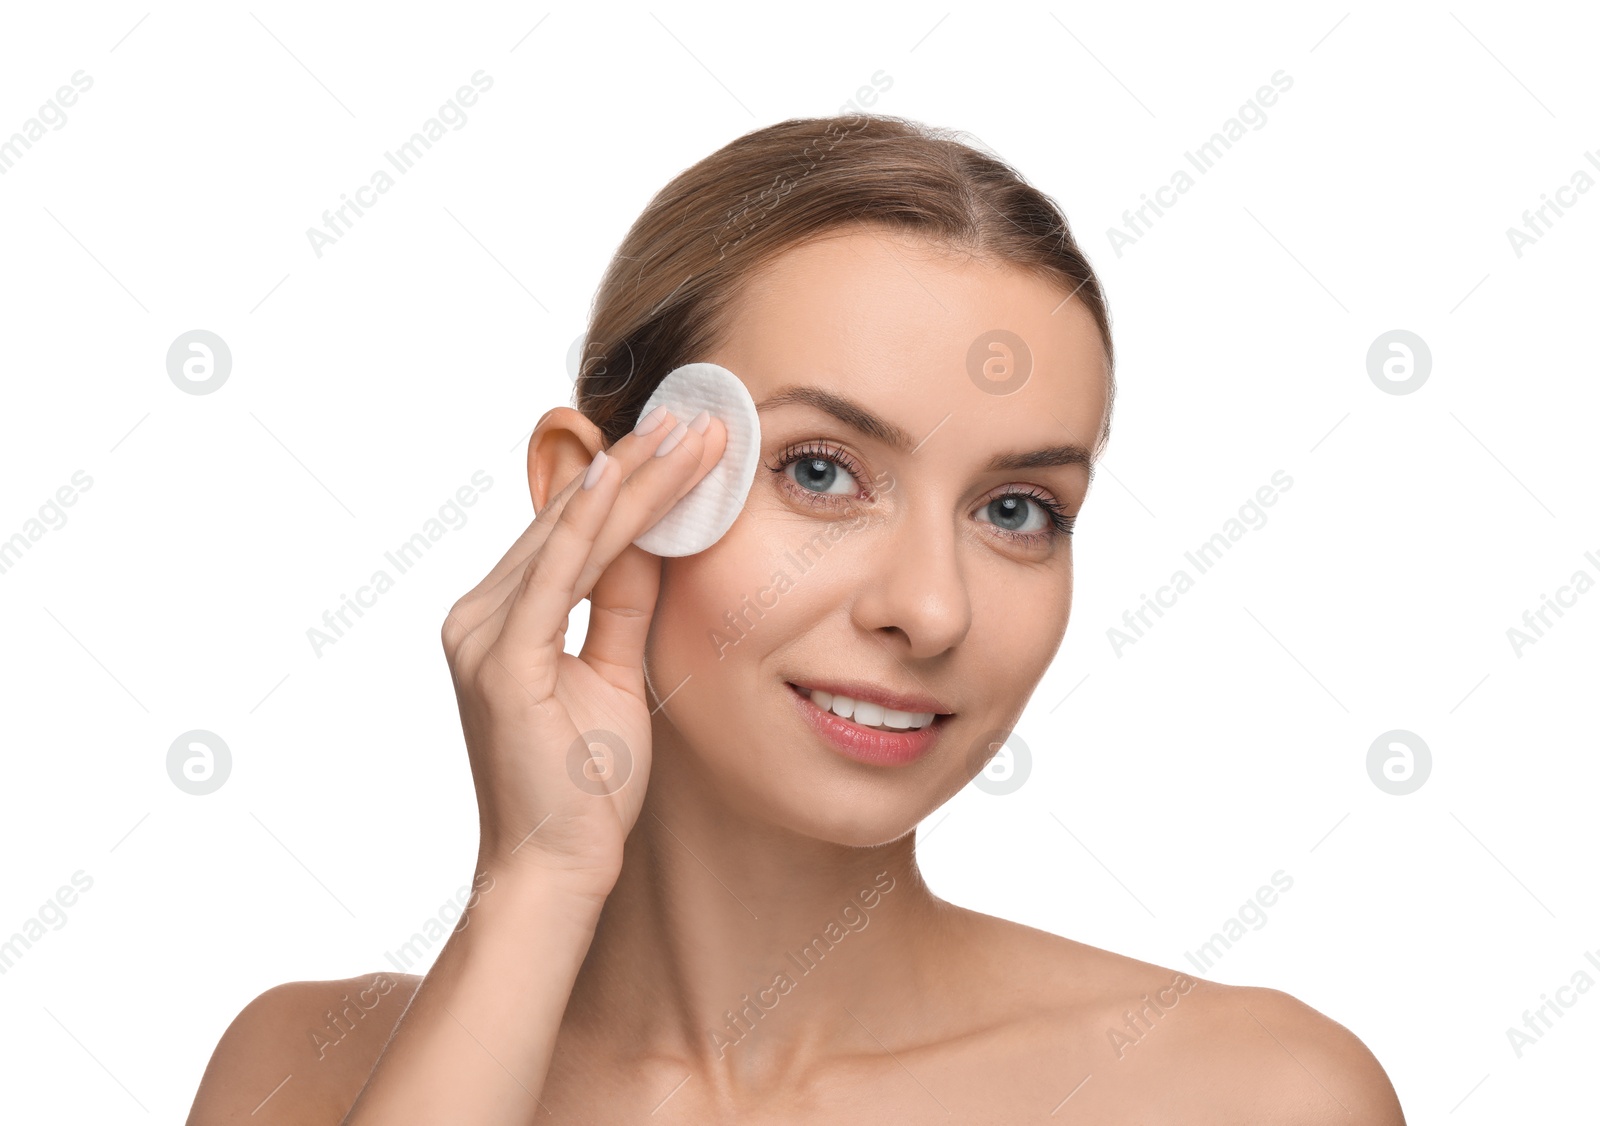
{"type": "Point", "coordinates": [709, 509]}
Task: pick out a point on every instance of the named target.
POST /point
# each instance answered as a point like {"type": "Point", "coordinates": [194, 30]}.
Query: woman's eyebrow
{"type": "Point", "coordinates": [862, 420]}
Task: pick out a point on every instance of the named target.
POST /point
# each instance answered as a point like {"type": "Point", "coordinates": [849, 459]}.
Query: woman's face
{"type": "Point", "coordinates": [888, 551]}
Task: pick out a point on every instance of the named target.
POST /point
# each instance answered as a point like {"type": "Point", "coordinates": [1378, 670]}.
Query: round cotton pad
{"type": "Point", "coordinates": [709, 509]}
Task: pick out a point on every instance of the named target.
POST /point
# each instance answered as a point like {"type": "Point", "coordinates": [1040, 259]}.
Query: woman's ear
{"type": "Point", "coordinates": [561, 447]}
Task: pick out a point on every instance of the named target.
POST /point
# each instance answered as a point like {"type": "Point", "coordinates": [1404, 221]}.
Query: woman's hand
{"type": "Point", "coordinates": [560, 745]}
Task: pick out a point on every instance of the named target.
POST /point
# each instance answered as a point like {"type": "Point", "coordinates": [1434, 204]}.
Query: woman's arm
{"type": "Point", "coordinates": [475, 1043]}
{"type": "Point", "coordinates": [477, 1039]}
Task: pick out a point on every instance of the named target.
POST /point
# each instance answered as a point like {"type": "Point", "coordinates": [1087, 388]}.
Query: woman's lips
{"type": "Point", "coordinates": [867, 744]}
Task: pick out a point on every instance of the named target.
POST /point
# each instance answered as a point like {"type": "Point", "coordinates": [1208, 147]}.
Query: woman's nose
{"type": "Point", "coordinates": [915, 584]}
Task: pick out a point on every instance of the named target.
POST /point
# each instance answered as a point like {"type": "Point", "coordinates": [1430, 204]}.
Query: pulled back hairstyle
{"type": "Point", "coordinates": [669, 289]}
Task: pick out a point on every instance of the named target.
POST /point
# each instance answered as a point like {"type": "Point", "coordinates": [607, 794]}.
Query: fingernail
{"type": "Point", "coordinates": [673, 439]}
{"type": "Point", "coordinates": [596, 468]}
{"type": "Point", "coordinates": [701, 421]}
{"type": "Point", "coordinates": [650, 421]}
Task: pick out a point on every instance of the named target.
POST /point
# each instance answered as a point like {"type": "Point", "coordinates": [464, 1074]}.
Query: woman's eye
{"type": "Point", "coordinates": [826, 474]}
{"type": "Point", "coordinates": [1009, 514]}
{"type": "Point", "coordinates": [1017, 513]}
{"type": "Point", "coordinates": [822, 475]}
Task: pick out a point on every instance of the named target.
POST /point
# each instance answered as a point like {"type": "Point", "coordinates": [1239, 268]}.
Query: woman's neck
{"type": "Point", "coordinates": [753, 951]}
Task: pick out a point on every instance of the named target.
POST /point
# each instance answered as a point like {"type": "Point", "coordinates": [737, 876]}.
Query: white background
{"type": "Point", "coordinates": [369, 384]}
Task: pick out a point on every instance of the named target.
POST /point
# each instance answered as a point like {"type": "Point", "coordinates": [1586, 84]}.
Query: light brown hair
{"type": "Point", "coordinates": [670, 287]}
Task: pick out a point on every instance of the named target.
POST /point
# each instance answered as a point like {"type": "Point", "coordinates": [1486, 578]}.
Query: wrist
{"type": "Point", "coordinates": [576, 893]}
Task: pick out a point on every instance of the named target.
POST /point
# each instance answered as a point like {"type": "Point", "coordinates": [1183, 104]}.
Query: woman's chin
{"type": "Point", "coordinates": [842, 813]}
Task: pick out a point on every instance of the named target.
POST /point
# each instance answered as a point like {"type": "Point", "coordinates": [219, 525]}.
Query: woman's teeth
{"type": "Point", "coordinates": [868, 714]}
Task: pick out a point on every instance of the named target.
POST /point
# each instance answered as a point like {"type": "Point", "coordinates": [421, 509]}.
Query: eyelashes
{"type": "Point", "coordinates": [824, 453]}
{"type": "Point", "coordinates": [820, 452]}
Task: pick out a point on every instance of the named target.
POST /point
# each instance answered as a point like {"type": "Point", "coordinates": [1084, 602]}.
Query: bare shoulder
{"type": "Point", "coordinates": [301, 1051]}
{"type": "Point", "coordinates": [1176, 1046]}
{"type": "Point", "coordinates": [1278, 1058]}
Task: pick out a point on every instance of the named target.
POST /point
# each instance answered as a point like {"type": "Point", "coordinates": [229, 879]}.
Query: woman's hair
{"type": "Point", "coordinates": [671, 286]}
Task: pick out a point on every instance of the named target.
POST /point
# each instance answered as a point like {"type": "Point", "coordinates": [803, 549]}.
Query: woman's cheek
{"type": "Point", "coordinates": [679, 644]}
{"type": "Point", "coordinates": [712, 608]}
{"type": "Point", "coordinates": [1024, 643]}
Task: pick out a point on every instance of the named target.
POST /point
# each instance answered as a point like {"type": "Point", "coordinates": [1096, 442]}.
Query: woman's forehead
{"type": "Point", "coordinates": [886, 308]}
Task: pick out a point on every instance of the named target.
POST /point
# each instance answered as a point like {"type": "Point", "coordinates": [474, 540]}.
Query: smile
{"type": "Point", "coordinates": [865, 713]}
{"type": "Point", "coordinates": [883, 743]}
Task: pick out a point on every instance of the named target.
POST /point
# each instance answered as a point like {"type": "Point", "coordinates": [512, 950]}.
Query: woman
{"type": "Point", "coordinates": [696, 897]}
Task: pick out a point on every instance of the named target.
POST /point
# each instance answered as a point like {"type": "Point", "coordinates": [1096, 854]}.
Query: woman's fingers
{"type": "Point", "coordinates": [648, 494]}
{"type": "Point", "coordinates": [478, 613]}
{"type": "Point", "coordinates": [631, 449]}
{"type": "Point", "coordinates": [621, 608]}
{"type": "Point", "coordinates": [653, 486]}
{"type": "Point", "coordinates": [591, 533]}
